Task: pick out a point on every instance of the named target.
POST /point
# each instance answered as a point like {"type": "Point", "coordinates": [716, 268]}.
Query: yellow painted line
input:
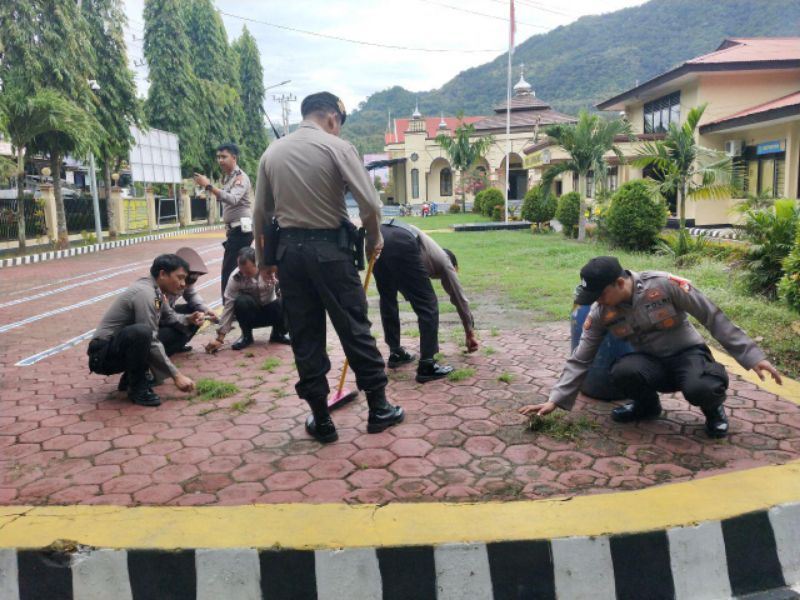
{"type": "Point", "coordinates": [341, 525]}
{"type": "Point", "coordinates": [790, 390]}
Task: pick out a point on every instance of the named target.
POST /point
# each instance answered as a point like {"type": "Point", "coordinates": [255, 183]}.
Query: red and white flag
{"type": "Point", "coordinates": [512, 29]}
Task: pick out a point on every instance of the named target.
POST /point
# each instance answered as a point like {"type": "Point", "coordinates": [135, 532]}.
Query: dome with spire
{"type": "Point", "coordinates": [416, 114]}
{"type": "Point", "coordinates": [523, 87]}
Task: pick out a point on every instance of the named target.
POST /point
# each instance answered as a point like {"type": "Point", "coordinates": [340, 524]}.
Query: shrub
{"type": "Point", "coordinates": [454, 208]}
{"type": "Point", "coordinates": [635, 217]}
{"type": "Point", "coordinates": [567, 211]}
{"type": "Point", "coordinates": [538, 207]}
{"type": "Point", "coordinates": [477, 204]}
{"type": "Point", "coordinates": [771, 232]}
{"type": "Point", "coordinates": [491, 198]}
{"type": "Point", "coordinates": [789, 286]}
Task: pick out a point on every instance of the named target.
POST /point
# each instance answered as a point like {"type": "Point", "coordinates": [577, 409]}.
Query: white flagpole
{"type": "Point", "coordinates": [508, 106]}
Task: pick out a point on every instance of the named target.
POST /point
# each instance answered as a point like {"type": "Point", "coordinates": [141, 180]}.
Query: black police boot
{"type": "Point", "coordinates": [400, 357]}
{"type": "Point", "coordinates": [382, 414]}
{"type": "Point", "coordinates": [319, 424]}
{"type": "Point", "coordinates": [630, 412]}
{"type": "Point", "coordinates": [244, 341]}
{"type": "Point", "coordinates": [279, 337]}
{"type": "Point", "coordinates": [142, 394]}
{"type": "Point", "coordinates": [716, 422]}
{"type": "Point", "coordinates": [429, 369]}
{"type": "Point", "coordinates": [186, 348]}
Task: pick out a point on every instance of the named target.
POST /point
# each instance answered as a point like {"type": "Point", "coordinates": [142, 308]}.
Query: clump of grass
{"type": "Point", "coordinates": [506, 377]}
{"type": "Point", "coordinates": [561, 428]}
{"type": "Point", "coordinates": [271, 364]}
{"type": "Point", "coordinates": [488, 350]}
{"type": "Point", "coordinates": [438, 357]}
{"type": "Point", "coordinates": [249, 354]}
{"type": "Point", "coordinates": [461, 374]}
{"type": "Point", "coordinates": [211, 389]}
{"type": "Point", "coordinates": [241, 364]}
{"type": "Point", "coordinates": [279, 392]}
{"type": "Point", "coordinates": [242, 405]}
{"type": "Point", "coordinates": [494, 332]}
{"type": "Point", "coordinates": [411, 332]}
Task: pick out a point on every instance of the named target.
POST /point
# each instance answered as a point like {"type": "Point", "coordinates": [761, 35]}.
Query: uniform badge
{"type": "Point", "coordinates": [238, 180]}
{"type": "Point", "coordinates": [158, 304]}
{"type": "Point", "coordinates": [682, 283]}
{"type": "Point", "coordinates": [654, 294]}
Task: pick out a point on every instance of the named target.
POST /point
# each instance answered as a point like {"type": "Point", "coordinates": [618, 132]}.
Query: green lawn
{"type": "Point", "coordinates": [444, 220]}
{"type": "Point", "coordinates": [539, 273]}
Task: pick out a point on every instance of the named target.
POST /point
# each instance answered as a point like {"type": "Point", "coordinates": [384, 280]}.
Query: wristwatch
{"type": "Point", "coordinates": [209, 187]}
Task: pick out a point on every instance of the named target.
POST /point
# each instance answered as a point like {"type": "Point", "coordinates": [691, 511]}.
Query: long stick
{"type": "Point", "coordinates": [366, 285]}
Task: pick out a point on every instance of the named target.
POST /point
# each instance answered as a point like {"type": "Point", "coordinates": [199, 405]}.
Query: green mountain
{"type": "Point", "coordinates": [590, 60]}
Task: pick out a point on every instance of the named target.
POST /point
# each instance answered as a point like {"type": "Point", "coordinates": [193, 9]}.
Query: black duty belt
{"type": "Point", "coordinates": [326, 235]}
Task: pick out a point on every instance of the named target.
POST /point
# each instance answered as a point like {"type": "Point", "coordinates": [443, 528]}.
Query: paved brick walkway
{"type": "Point", "coordinates": [68, 437]}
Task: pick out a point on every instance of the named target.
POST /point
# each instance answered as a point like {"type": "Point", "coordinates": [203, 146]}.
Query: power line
{"type": "Point", "coordinates": [352, 41]}
{"type": "Point", "coordinates": [480, 14]}
{"type": "Point", "coordinates": [542, 7]}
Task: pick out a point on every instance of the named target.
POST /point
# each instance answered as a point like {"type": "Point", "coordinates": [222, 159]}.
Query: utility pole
{"type": "Point", "coordinates": [284, 100]}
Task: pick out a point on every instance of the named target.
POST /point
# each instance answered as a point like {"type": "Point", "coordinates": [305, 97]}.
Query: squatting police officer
{"type": "Point", "coordinates": [650, 310]}
{"type": "Point", "coordinates": [301, 183]}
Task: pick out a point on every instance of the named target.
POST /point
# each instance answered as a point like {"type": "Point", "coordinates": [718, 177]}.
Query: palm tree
{"type": "Point", "coordinates": [687, 169]}
{"type": "Point", "coordinates": [463, 152]}
{"type": "Point", "coordinates": [587, 142]}
{"type": "Point", "coordinates": [24, 117]}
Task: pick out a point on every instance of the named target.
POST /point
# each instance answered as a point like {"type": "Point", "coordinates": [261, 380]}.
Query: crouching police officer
{"type": "Point", "coordinates": [126, 340]}
{"type": "Point", "coordinates": [301, 183]}
{"type": "Point", "coordinates": [650, 310]}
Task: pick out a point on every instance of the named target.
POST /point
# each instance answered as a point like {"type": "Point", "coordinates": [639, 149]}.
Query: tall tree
{"type": "Point", "coordinates": [46, 46]}
{"type": "Point", "coordinates": [587, 142]}
{"type": "Point", "coordinates": [463, 152]}
{"type": "Point", "coordinates": [215, 66]}
{"type": "Point", "coordinates": [173, 100]}
{"type": "Point", "coordinates": [117, 106]}
{"type": "Point", "coordinates": [251, 92]}
{"type": "Point", "coordinates": [685, 167]}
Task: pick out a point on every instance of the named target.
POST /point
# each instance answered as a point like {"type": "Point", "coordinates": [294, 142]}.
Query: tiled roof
{"type": "Point", "coordinates": [528, 119]}
{"type": "Point", "coordinates": [522, 102]}
{"type": "Point", "coordinates": [774, 108]}
{"type": "Point", "coordinates": [431, 127]}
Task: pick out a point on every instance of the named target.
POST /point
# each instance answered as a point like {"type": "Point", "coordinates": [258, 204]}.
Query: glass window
{"type": "Point", "coordinates": [415, 183]}
{"type": "Point", "coordinates": [766, 174]}
{"type": "Point", "coordinates": [446, 183]}
{"type": "Point", "coordinates": [659, 113]}
{"type": "Point", "coordinates": [613, 179]}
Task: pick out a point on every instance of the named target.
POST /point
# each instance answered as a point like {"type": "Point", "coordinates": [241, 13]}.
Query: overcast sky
{"type": "Point", "coordinates": [354, 71]}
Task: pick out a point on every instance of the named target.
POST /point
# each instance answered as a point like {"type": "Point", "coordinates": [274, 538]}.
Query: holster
{"type": "Point", "coordinates": [352, 240]}
{"type": "Point", "coordinates": [272, 233]}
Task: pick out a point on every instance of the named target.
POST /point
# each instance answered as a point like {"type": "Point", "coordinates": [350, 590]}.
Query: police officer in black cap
{"type": "Point", "coordinates": [651, 311]}
{"type": "Point", "coordinates": [301, 184]}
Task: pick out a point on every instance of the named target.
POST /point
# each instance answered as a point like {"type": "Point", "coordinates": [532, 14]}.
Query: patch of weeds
{"type": "Point", "coordinates": [279, 392]}
{"type": "Point", "coordinates": [211, 389]}
{"type": "Point", "coordinates": [438, 357]}
{"type": "Point", "coordinates": [249, 354]}
{"type": "Point", "coordinates": [506, 377]}
{"type": "Point", "coordinates": [488, 350]}
{"type": "Point", "coordinates": [271, 364]}
{"type": "Point", "coordinates": [561, 428]}
{"type": "Point", "coordinates": [242, 406]}
{"type": "Point", "coordinates": [494, 332]}
{"type": "Point", "coordinates": [461, 374]}
{"type": "Point", "coordinates": [241, 364]}
{"type": "Point", "coordinates": [399, 376]}
{"type": "Point", "coordinates": [411, 332]}
{"type": "Point", "coordinates": [285, 379]}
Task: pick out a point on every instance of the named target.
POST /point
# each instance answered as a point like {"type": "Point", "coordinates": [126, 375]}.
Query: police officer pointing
{"type": "Point", "coordinates": [301, 184]}
{"type": "Point", "coordinates": [235, 196]}
{"type": "Point", "coordinates": [650, 310]}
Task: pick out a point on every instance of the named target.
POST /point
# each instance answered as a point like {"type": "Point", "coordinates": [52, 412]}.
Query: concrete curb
{"type": "Point", "coordinates": [749, 553]}
{"type": "Point", "coordinates": [58, 254]}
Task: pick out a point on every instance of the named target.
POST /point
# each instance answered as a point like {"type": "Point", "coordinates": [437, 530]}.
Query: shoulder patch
{"type": "Point", "coordinates": [587, 324]}
{"type": "Point", "coordinates": [682, 283]}
{"type": "Point", "coordinates": [238, 180]}
{"type": "Point", "coordinates": [654, 294]}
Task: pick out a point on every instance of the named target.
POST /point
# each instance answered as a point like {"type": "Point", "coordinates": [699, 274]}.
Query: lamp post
{"type": "Point", "coordinates": [98, 227]}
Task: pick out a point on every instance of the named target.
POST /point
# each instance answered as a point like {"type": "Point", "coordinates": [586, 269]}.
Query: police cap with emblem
{"type": "Point", "coordinates": [598, 273]}
{"type": "Point", "coordinates": [323, 102]}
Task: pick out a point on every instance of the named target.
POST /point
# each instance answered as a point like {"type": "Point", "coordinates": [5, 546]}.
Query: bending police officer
{"type": "Point", "coordinates": [301, 183]}
{"type": "Point", "coordinates": [650, 310]}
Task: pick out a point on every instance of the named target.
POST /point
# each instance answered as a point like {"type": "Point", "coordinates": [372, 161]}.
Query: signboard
{"type": "Point", "coordinates": [135, 214]}
{"type": "Point", "coordinates": [155, 157]}
{"type": "Point", "coordinates": [537, 159]}
{"type": "Point", "coordinates": [773, 147]}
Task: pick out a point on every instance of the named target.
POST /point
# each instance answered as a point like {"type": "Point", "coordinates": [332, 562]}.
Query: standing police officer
{"type": "Point", "coordinates": [650, 310]}
{"type": "Point", "coordinates": [235, 196]}
{"type": "Point", "coordinates": [301, 183]}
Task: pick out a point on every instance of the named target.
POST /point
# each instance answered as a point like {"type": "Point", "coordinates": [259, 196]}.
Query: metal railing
{"type": "Point", "coordinates": [35, 225]}
{"type": "Point", "coordinates": [80, 214]}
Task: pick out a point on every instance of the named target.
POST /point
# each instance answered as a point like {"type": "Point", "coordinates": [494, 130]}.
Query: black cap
{"type": "Point", "coordinates": [325, 102]}
{"type": "Point", "coordinates": [598, 273]}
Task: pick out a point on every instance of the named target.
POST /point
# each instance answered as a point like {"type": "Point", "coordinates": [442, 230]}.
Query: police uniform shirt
{"type": "Point", "coordinates": [193, 299]}
{"type": "Point", "coordinates": [655, 322]}
{"type": "Point", "coordinates": [238, 284]}
{"type": "Point", "coordinates": [438, 266]}
{"type": "Point", "coordinates": [236, 196]}
{"type": "Point", "coordinates": [301, 181]}
{"type": "Point", "coordinates": [143, 303]}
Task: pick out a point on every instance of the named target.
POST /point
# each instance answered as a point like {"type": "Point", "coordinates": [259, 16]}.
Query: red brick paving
{"type": "Point", "coordinates": [68, 437]}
